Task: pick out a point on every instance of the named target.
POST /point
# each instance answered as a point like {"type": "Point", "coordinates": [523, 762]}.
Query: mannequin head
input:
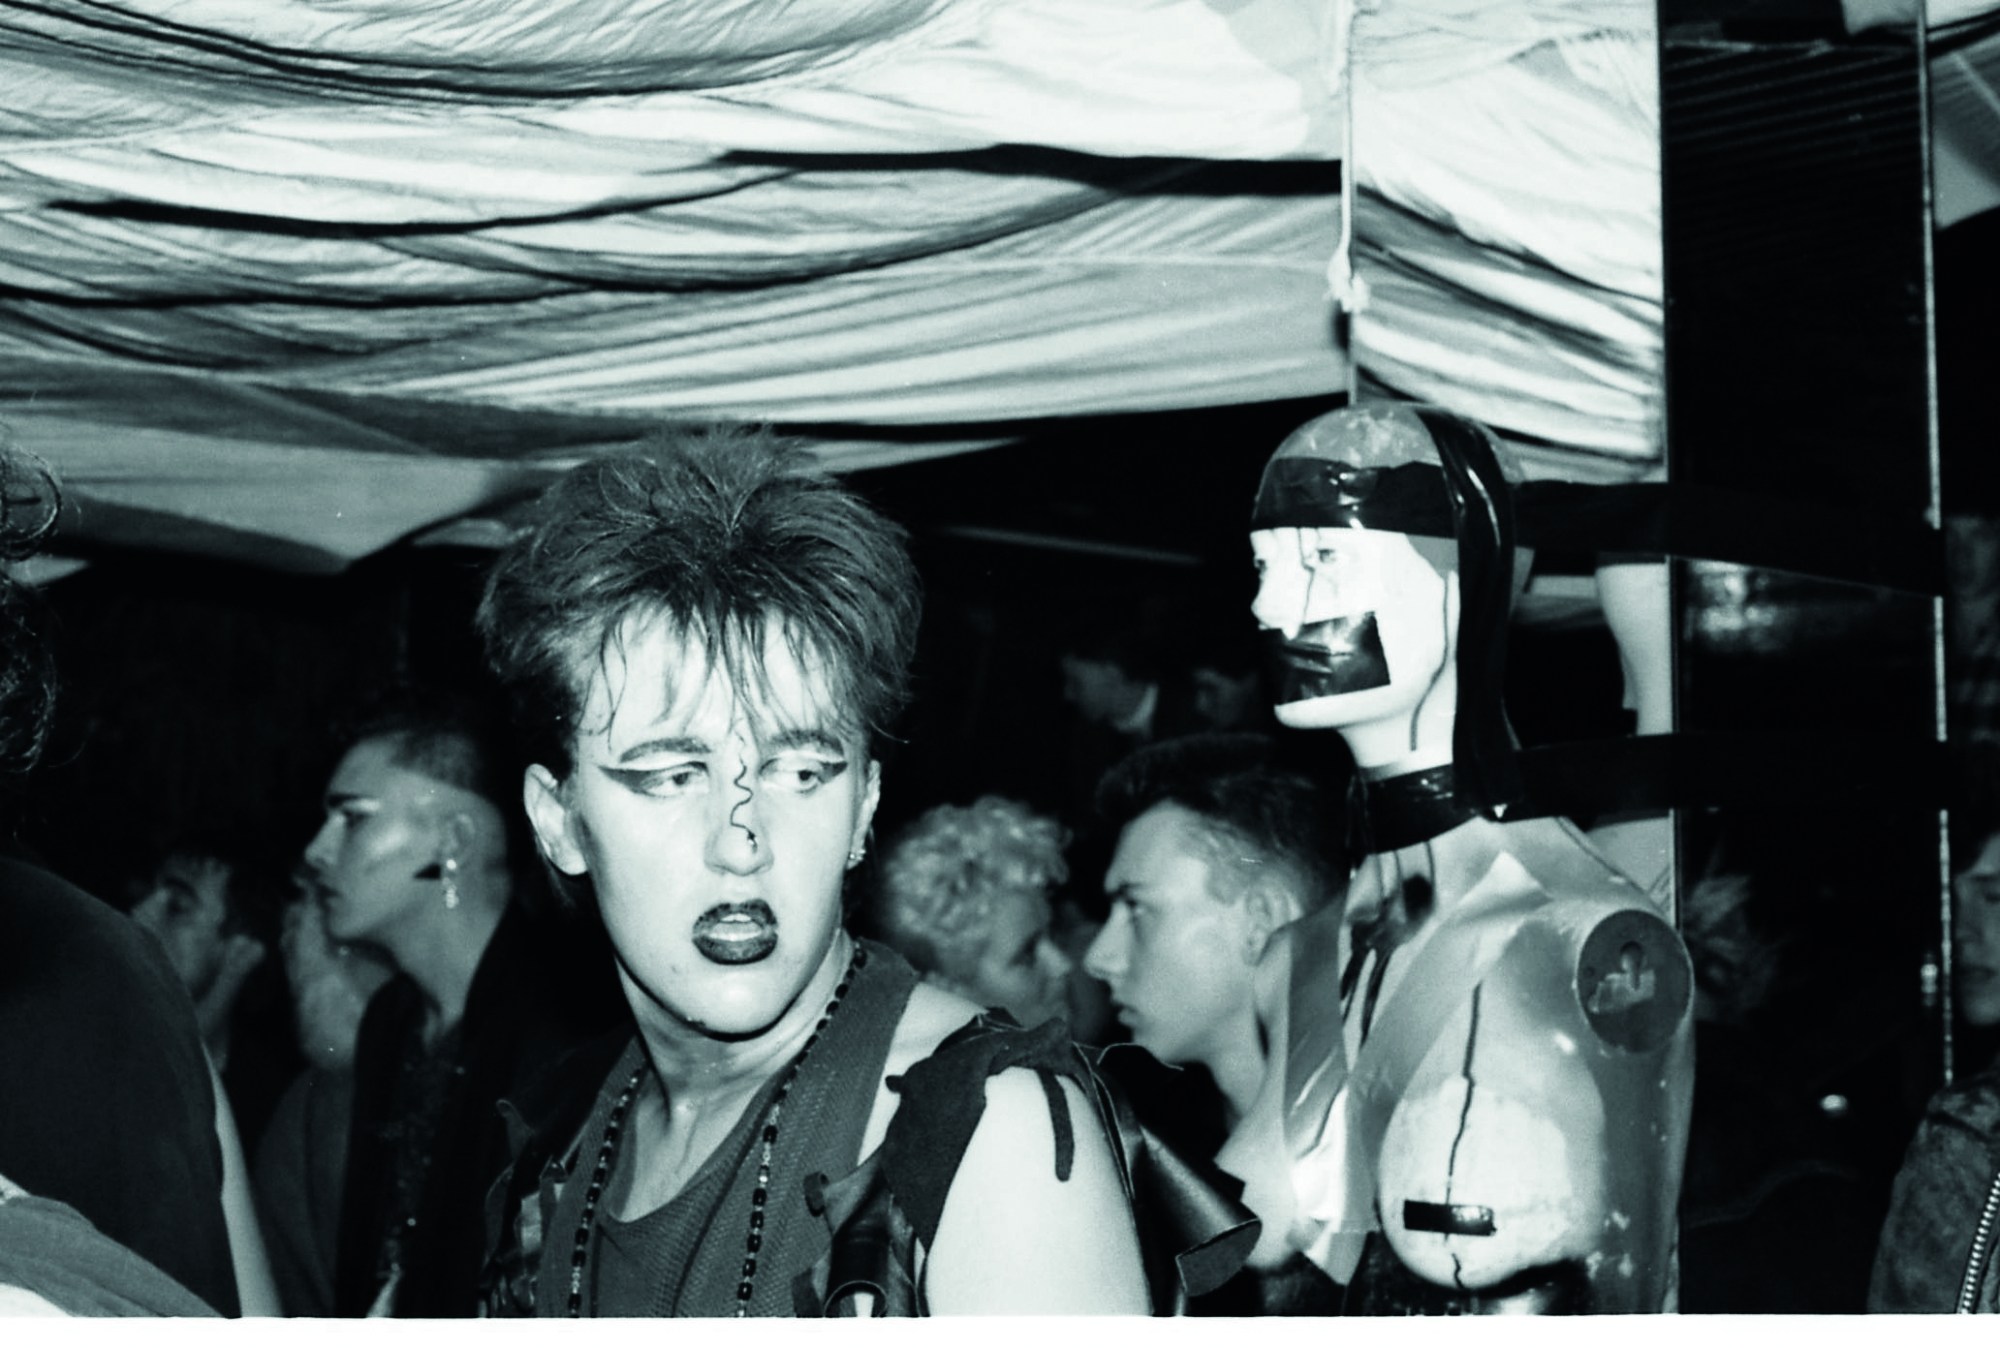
{"type": "Point", "coordinates": [1373, 528]}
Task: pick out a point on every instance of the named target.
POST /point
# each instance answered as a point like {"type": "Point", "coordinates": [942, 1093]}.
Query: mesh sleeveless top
{"type": "Point", "coordinates": [685, 1257]}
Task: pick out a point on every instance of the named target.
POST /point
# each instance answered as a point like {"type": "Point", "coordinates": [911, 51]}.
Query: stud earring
{"type": "Point", "coordinates": [451, 882]}
{"type": "Point", "coordinates": [854, 857]}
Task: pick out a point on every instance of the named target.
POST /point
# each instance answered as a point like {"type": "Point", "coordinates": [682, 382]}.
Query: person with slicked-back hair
{"type": "Point", "coordinates": [707, 644]}
{"type": "Point", "coordinates": [107, 1106]}
{"type": "Point", "coordinates": [1219, 847]}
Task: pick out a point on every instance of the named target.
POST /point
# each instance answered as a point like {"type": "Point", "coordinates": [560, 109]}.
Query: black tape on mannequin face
{"type": "Point", "coordinates": [1326, 659]}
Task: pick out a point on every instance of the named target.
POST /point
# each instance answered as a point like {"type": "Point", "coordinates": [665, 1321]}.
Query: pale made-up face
{"type": "Point", "coordinates": [1358, 621]}
{"type": "Point", "coordinates": [1015, 963]}
{"type": "Point", "coordinates": [185, 907]}
{"type": "Point", "coordinates": [375, 857]}
{"type": "Point", "coordinates": [715, 828]}
{"type": "Point", "coordinates": [1976, 924]}
{"type": "Point", "coordinates": [1177, 959]}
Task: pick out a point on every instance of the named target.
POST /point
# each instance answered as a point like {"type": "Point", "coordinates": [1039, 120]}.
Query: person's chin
{"type": "Point", "coordinates": [338, 929]}
{"type": "Point", "coordinates": [738, 1001]}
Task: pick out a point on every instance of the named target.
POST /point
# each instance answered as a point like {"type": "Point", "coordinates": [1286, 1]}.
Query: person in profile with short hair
{"type": "Point", "coordinates": [419, 858]}
{"type": "Point", "coordinates": [964, 894]}
{"type": "Point", "coordinates": [1218, 848]}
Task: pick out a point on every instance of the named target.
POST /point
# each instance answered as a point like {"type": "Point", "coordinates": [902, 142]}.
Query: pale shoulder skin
{"type": "Point", "coordinates": [1013, 1239]}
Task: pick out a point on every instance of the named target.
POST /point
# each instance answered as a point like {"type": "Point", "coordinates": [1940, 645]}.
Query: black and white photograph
{"type": "Point", "coordinates": [1212, 659]}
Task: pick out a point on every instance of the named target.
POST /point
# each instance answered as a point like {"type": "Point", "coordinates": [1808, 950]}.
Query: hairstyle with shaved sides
{"type": "Point", "coordinates": [719, 534]}
{"type": "Point", "coordinates": [1263, 824]}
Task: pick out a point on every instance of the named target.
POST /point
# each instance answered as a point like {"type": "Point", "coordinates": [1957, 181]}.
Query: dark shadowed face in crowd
{"type": "Point", "coordinates": [186, 907]}
{"type": "Point", "coordinates": [1098, 690]}
{"type": "Point", "coordinates": [1225, 701]}
{"type": "Point", "coordinates": [714, 823]}
{"type": "Point", "coordinates": [1177, 957]}
{"type": "Point", "coordinates": [1976, 924]}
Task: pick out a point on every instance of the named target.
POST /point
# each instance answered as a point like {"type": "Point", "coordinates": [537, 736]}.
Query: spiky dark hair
{"type": "Point", "coordinates": [718, 533]}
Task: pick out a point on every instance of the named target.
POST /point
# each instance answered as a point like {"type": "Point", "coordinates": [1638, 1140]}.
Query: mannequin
{"type": "Point", "coordinates": [1479, 1087]}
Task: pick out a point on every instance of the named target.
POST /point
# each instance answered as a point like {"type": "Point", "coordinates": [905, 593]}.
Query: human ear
{"type": "Point", "coordinates": [864, 817]}
{"type": "Point", "coordinates": [1267, 906]}
{"type": "Point", "coordinates": [456, 835]}
{"type": "Point", "coordinates": [549, 814]}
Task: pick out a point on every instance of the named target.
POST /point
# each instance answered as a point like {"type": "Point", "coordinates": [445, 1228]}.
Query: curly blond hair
{"type": "Point", "coordinates": [942, 873]}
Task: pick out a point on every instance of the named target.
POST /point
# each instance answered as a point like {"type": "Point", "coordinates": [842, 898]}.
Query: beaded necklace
{"type": "Point", "coordinates": [607, 1154]}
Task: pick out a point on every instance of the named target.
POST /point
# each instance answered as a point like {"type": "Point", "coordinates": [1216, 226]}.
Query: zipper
{"type": "Point", "coordinates": [1982, 1250]}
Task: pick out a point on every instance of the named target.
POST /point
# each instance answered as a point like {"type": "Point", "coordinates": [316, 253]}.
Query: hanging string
{"type": "Point", "coordinates": [1346, 288]}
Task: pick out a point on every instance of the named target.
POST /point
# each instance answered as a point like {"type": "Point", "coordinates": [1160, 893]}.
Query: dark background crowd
{"type": "Point", "coordinates": [1071, 617]}
{"type": "Point", "coordinates": [1086, 594]}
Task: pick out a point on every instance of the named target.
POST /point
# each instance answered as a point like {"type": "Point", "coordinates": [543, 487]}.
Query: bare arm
{"type": "Point", "coordinates": [1015, 1240]}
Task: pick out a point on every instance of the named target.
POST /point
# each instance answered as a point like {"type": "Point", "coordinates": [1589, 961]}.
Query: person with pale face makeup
{"type": "Point", "coordinates": [704, 646]}
{"type": "Point", "coordinates": [964, 896]}
{"type": "Point", "coordinates": [1477, 1098]}
{"type": "Point", "coordinates": [415, 860]}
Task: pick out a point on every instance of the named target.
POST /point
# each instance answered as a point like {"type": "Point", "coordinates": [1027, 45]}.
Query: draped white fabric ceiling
{"type": "Point", "coordinates": [290, 280]}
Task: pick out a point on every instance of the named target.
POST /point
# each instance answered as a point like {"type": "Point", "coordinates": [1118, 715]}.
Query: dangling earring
{"type": "Point", "coordinates": [451, 882]}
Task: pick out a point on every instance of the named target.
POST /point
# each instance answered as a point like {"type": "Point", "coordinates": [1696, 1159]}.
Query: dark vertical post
{"type": "Point", "coordinates": [1798, 366]}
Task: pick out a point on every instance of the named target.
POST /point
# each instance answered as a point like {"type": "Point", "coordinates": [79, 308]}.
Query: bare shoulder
{"type": "Point", "coordinates": [930, 1016]}
{"type": "Point", "coordinates": [1024, 1232]}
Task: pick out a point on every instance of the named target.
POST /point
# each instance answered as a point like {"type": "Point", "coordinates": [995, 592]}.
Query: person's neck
{"type": "Point", "coordinates": [443, 958]}
{"type": "Point", "coordinates": [1238, 1070]}
{"type": "Point", "coordinates": [695, 1068]}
